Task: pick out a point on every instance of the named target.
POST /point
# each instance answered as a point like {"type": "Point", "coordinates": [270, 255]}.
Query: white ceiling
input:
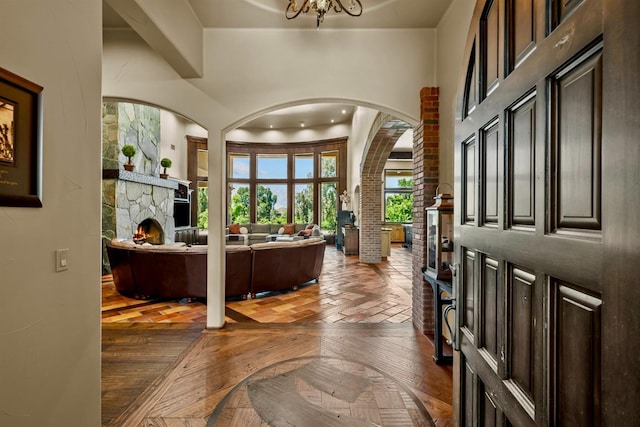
{"type": "Point", "coordinates": [377, 14]}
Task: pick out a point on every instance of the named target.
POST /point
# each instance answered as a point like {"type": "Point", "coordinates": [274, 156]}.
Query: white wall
{"type": "Point", "coordinates": [173, 142]}
{"type": "Point", "coordinates": [452, 36]}
{"type": "Point", "coordinates": [50, 322]}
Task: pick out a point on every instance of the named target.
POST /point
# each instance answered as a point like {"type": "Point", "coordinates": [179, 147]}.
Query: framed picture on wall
{"type": "Point", "coordinates": [20, 141]}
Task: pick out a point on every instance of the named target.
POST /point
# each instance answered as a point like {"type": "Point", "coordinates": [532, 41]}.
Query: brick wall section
{"type": "Point", "coordinates": [385, 134]}
{"type": "Point", "coordinates": [426, 172]}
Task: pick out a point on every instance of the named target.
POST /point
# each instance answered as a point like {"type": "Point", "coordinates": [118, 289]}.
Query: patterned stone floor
{"type": "Point", "coordinates": [348, 292]}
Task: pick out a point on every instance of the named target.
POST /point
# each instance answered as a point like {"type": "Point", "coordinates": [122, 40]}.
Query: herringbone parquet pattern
{"type": "Point", "coordinates": [348, 291]}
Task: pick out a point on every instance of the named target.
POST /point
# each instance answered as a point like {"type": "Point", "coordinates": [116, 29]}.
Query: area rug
{"type": "Point", "coordinates": [320, 391]}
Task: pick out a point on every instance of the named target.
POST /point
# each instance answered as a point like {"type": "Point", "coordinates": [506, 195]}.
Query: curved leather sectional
{"type": "Point", "coordinates": [175, 272]}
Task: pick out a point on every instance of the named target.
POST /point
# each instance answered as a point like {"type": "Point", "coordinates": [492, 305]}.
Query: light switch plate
{"type": "Point", "coordinates": [62, 259]}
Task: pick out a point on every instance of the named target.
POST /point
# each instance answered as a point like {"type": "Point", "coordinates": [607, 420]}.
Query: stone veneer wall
{"type": "Point", "coordinates": [133, 124]}
{"type": "Point", "coordinates": [426, 173]}
{"type": "Point", "coordinates": [128, 198]}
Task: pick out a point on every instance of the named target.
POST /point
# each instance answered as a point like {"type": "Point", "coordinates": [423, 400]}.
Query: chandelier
{"type": "Point", "coordinates": [321, 7]}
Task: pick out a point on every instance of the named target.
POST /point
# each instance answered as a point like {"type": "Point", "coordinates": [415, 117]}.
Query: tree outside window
{"type": "Point", "coordinates": [398, 195]}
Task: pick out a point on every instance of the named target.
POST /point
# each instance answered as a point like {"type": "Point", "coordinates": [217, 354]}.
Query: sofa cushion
{"type": "Point", "coordinates": [289, 229]}
{"type": "Point", "coordinates": [234, 228]}
{"type": "Point", "coordinates": [281, 230]}
{"type": "Point", "coordinates": [244, 230]}
{"type": "Point", "coordinates": [260, 228]}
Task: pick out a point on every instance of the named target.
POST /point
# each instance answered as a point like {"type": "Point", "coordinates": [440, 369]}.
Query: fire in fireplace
{"type": "Point", "coordinates": [149, 231]}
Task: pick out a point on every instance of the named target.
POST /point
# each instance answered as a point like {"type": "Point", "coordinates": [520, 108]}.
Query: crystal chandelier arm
{"type": "Point", "coordinates": [355, 8]}
{"type": "Point", "coordinates": [292, 10]}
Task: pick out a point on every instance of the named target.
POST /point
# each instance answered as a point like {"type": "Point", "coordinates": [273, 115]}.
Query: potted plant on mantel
{"type": "Point", "coordinates": [165, 163]}
{"type": "Point", "coordinates": [129, 151]}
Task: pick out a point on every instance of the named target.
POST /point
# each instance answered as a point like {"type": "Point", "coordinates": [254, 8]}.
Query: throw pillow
{"type": "Point", "coordinates": [289, 229]}
{"type": "Point", "coordinates": [301, 233]}
{"type": "Point", "coordinates": [234, 228]}
{"type": "Point", "coordinates": [307, 232]}
{"type": "Point", "coordinates": [281, 230]}
{"type": "Point", "coordinates": [243, 230]}
{"type": "Point", "coordinates": [309, 227]}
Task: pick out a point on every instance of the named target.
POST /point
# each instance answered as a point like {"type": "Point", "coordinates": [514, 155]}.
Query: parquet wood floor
{"type": "Point", "coordinates": [348, 291]}
{"type": "Point", "coordinates": [161, 368]}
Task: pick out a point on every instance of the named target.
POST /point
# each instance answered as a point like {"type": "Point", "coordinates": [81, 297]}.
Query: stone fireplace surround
{"type": "Point", "coordinates": [128, 199]}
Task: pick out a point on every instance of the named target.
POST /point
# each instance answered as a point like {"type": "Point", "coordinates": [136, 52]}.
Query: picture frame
{"type": "Point", "coordinates": [20, 141]}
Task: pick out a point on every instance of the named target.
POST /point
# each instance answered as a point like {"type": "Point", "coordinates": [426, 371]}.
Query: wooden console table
{"type": "Point", "coordinates": [439, 302]}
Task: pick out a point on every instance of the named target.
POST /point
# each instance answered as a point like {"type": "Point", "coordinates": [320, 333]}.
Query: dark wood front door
{"type": "Point", "coordinates": [547, 206]}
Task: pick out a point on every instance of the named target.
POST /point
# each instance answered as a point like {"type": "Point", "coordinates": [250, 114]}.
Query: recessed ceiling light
{"type": "Point", "coordinates": [270, 126]}
{"type": "Point", "coordinates": [301, 124]}
{"type": "Point", "coordinates": [332, 121]}
{"type": "Point", "coordinates": [344, 111]}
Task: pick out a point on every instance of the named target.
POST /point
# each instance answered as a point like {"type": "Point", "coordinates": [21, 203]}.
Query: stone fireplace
{"type": "Point", "coordinates": [130, 199]}
{"type": "Point", "coordinates": [139, 197]}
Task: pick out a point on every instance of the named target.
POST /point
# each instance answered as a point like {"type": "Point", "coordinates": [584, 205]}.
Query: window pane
{"type": "Point", "coordinates": [398, 179]}
{"type": "Point", "coordinates": [238, 166]}
{"type": "Point", "coordinates": [329, 164]}
{"type": "Point", "coordinates": [272, 166]}
{"type": "Point", "coordinates": [398, 207]}
{"type": "Point", "coordinates": [328, 206]}
{"type": "Point", "coordinates": [303, 204]}
{"type": "Point", "coordinates": [203, 205]}
{"type": "Point", "coordinates": [303, 166]}
{"type": "Point", "coordinates": [239, 203]}
{"type": "Point", "coordinates": [203, 163]}
{"type": "Point", "coordinates": [271, 206]}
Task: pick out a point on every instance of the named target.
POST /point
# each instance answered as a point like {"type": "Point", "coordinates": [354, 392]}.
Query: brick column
{"type": "Point", "coordinates": [426, 172]}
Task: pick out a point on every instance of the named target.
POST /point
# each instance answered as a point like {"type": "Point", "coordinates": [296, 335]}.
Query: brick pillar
{"type": "Point", "coordinates": [370, 223]}
{"type": "Point", "coordinates": [426, 173]}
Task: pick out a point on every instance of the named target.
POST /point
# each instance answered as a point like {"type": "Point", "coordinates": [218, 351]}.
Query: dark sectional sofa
{"type": "Point", "coordinates": [171, 271]}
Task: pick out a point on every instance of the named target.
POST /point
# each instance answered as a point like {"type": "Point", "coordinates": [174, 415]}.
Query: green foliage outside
{"type": "Point", "coordinates": [203, 208]}
{"type": "Point", "coordinates": [304, 205]}
{"type": "Point", "coordinates": [239, 210]}
{"type": "Point", "coordinates": [267, 213]}
{"type": "Point", "coordinates": [266, 207]}
{"type": "Point", "coordinates": [329, 206]}
{"type": "Point", "coordinates": [399, 206]}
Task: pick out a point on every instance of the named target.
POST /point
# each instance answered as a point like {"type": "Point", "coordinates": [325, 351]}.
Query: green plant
{"type": "Point", "coordinates": [165, 163]}
{"type": "Point", "coordinates": [129, 151]}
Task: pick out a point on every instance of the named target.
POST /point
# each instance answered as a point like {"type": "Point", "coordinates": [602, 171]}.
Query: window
{"type": "Point", "coordinates": [271, 203]}
{"type": "Point", "coordinates": [303, 167]}
{"type": "Point", "coordinates": [239, 203]}
{"type": "Point", "coordinates": [272, 166]}
{"type": "Point", "coordinates": [203, 205]}
{"type": "Point", "coordinates": [238, 166]}
{"type": "Point", "coordinates": [285, 183]}
{"type": "Point", "coordinates": [303, 204]}
{"type": "Point", "coordinates": [329, 206]}
{"type": "Point", "coordinates": [398, 195]}
{"type": "Point", "coordinates": [329, 164]}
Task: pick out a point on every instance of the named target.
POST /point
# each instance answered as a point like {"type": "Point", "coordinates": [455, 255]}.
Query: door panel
{"type": "Point", "coordinates": [576, 98]}
{"type": "Point", "coordinates": [490, 172]}
{"type": "Point", "coordinates": [575, 332]}
{"type": "Point", "coordinates": [533, 225]}
{"type": "Point", "coordinates": [521, 162]}
{"type": "Point", "coordinates": [521, 327]}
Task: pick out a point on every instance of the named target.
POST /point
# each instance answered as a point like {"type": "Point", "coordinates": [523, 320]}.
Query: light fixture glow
{"type": "Point", "coordinates": [321, 7]}
{"type": "Point", "coordinates": [344, 111]}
